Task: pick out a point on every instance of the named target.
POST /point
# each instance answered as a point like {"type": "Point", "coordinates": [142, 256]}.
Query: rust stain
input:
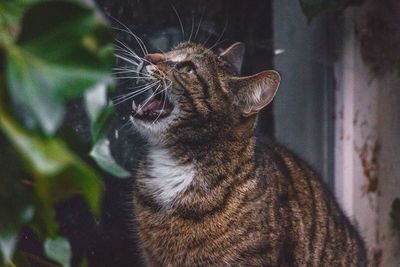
{"type": "Point", "coordinates": [375, 258]}
{"type": "Point", "coordinates": [355, 119]}
{"type": "Point", "coordinates": [369, 162]}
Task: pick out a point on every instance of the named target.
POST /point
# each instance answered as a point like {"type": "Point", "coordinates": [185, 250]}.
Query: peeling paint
{"type": "Point", "coordinates": [356, 115]}
{"type": "Point", "coordinates": [376, 257]}
{"type": "Point", "coordinates": [369, 162]}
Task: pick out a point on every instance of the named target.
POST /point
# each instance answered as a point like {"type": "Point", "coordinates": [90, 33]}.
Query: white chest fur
{"type": "Point", "coordinates": [166, 178]}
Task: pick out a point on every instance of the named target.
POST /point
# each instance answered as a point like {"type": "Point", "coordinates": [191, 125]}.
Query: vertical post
{"type": "Point", "coordinates": [356, 135]}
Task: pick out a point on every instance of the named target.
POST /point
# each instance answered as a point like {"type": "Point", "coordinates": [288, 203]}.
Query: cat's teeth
{"type": "Point", "coordinates": [139, 110]}
{"type": "Point", "coordinates": [133, 105]}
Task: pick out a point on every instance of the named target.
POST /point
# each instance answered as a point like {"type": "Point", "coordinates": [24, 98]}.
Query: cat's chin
{"type": "Point", "coordinates": [152, 121]}
{"type": "Point", "coordinates": [153, 132]}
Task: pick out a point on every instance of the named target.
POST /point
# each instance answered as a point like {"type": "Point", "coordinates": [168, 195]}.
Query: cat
{"type": "Point", "coordinates": [211, 193]}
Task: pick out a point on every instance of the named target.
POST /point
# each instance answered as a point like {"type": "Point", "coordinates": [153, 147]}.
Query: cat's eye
{"type": "Point", "coordinates": [186, 68]}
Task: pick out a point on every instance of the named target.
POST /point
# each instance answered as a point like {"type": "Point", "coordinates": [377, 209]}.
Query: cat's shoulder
{"type": "Point", "coordinates": [271, 153]}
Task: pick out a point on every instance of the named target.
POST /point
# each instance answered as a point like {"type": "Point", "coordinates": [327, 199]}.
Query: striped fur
{"type": "Point", "coordinates": [233, 199]}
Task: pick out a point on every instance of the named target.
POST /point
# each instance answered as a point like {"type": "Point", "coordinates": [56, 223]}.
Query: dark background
{"type": "Point", "coordinates": [111, 241]}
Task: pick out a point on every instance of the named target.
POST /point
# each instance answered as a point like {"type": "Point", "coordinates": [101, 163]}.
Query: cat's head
{"type": "Point", "coordinates": [198, 95]}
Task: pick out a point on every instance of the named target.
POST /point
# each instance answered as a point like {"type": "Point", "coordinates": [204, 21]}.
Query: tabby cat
{"type": "Point", "coordinates": [209, 192]}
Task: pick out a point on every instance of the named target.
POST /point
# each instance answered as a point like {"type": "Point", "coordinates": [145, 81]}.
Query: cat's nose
{"type": "Point", "coordinates": [154, 58]}
{"type": "Point", "coordinates": [150, 62]}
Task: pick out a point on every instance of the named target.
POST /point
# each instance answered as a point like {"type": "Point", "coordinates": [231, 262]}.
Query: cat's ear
{"type": "Point", "coordinates": [234, 55]}
{"type": "Point", "coordinates": [252, 93]}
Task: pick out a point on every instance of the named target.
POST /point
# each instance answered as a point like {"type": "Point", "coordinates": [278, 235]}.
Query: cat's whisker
{"type": "Point", "coordinates": [125, 59]}
{"type": "Point", "coordinates": [147, 85]}
{"type": "Point", "coordinates": [140, 65]}
{"type": "Point", "coordinates": [192, 29]}
{"type": "Point", "coordinates": [120, 99]}
{"type": "Point", "coordinates": [124, 46]}
{"type": "Point", "coordinates": [126, 97]}
{"type": "Point", "coordinates": [139, 74]}
{"type": "Point", "coordinates": [219, 38]}
{"type": "Point", "coordinates": [115, 72]}
{"type": "Point", "coordinates": [141, 60]}
{"type": "Point", "coordinates": [134, 63]}
{"type": "Point", "coordinates": [148, 99]}
{"type": "Point", "coordinates": [126, 49]}
{"type": "Point", "coordinates": [116, 103]}
{"type": "Point", "coordinates": [199, 25]}
{"type": "Point", "coordinates": [164, 100]}
{"type": "Point", "coordinates": [180, 22]}
{"type": "Point", "coordinates": [132, 70]}
{"type": "Point", "coordinates": [136, 88]}
{"type": "Point", "coordinates": [129, 31]}
{"type": "Point", "coordinates": [125, 68]}
{"type": "Point", "coordinates": [163, 106]}
{"type": "Point", "coordinates": [120, 75]}
{"type": "Point", "coordinates": [216, 44]}
{"type": "Point", "coordinates": [138, 40]}
{"type": "Point", "coordinates": [127, 123]}
{"type": "Point", "coordinates": [208, 38]}
{"type": "Point", "coordinates": [130, 77]}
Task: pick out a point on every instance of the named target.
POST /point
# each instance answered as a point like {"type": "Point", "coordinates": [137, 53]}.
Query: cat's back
{"type": "Point", "coordinates": [319, 232]}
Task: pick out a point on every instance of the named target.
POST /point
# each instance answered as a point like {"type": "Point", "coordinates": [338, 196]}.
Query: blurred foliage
{"type": "Point", "coordinates": [312, 8]}
{"type": "Point", "coordinates": [59, 250]}
{"type": "Point", "coordinates": [99, 112]}
{"type": "Point", "coordinates": [50, 53]}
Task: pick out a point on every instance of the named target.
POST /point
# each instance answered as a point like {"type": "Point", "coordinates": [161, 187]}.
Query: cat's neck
{"type": "Point", "coordinates": [173, 172]}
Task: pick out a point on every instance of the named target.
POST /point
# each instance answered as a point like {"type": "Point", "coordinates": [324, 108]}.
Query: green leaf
{"type": "Point", "coordinates": [12, 190]}
{"type": "Point", "coordinates": [84, 263]}
{"type": "Point", "coordinates": [44, 72]}
{"type": "Point", "coordinates": [59, 250]}
{"type": "Point", "coordinates": [100, 112]}
{"type": "Point", "coordinates": [58, 172]}
{"type": "Point", "coordinates": [20, 259]}
{"type": "Point", "coordinates": [312, 8]}
{"type": "Point", "coordinates": [11, 12]}
{"type": "Point", "coordinates": [96, 100]}
{"type": "Point", "coordinates": [45, 156]}
{"type": "Point", "coordinates": [102, 155]}
{"type": "Point", "coordinates": [100, 126]}
{"type": "Point", "coordinates": [9, 232]}
{"type": "Point", "coordinates": [18, 211]}
{"type": "Point", "coordinates": [7, 246]}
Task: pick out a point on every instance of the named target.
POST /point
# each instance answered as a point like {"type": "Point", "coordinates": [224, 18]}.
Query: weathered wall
{"type": "Point", "coordinates": [388, 165]}
{"type": "Point", "coordinates": [366, 157]}
{"type": "Point", "coordinates": [367, 143]}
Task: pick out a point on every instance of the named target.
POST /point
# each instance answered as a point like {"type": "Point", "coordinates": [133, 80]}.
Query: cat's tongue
{"type": "Point", "coordinates": [153, 104]}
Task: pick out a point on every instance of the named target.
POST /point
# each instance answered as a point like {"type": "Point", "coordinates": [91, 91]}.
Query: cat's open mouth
{"type": "Point", "coordinates": [153, 108]}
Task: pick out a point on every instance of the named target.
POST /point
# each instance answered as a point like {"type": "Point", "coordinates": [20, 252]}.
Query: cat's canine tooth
{"type": "Point", "coordinates": [139, 110]}
{"type": "Point", "coordinates": [133, 105]}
